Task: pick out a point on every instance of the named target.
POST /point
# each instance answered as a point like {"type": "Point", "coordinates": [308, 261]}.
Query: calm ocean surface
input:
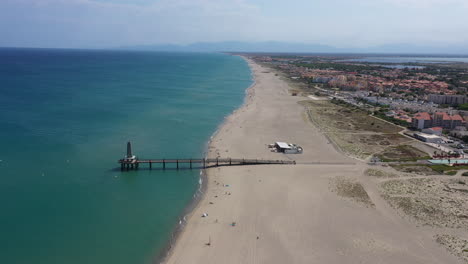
{"type": "Point", "coordinates": [65, 117]}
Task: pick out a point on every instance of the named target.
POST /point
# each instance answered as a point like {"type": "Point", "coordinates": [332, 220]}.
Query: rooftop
{"type": "Point", "coordinates": [457, 117]}
{"type": "Point", "coordinates": [423, 116]}
{"type": "Point", "coordinates": [428, 136]}
{"type": "Point", "coordinates": [283, 145]}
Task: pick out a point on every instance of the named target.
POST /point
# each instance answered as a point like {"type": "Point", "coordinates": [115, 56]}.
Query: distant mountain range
{"type": "Point", "coordinates": [284, 47]}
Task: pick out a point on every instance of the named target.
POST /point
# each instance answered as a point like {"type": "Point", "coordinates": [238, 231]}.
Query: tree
{"type": "Point", "coordinates": [463, 107]}
{"type": "Point", "coordinates": [465, 139]}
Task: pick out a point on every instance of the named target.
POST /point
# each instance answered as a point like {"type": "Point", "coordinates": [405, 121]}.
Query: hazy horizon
{"type": "Point", "coordinates": [344, 25]}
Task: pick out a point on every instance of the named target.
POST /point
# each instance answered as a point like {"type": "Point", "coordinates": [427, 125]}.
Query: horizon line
{"type": "Point", "coordinates": [138, 48]}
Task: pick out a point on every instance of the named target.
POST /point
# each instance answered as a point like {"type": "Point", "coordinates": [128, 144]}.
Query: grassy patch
{"type": "Point", "coordinates": [352, 129]}
{"type": "Point", "coordinates": [435, 202]}
{"type": "Point", "coordinates": [444, 168]}
{"type": "Point", "coordinates": [426, 169]}
{"type": "Point", "coordinates": [380, 174]}
{"type": "Point", "coordinates": [348, 118]}
{"type": "Point", "coordinates": [455, 245]}
{"type": "Point", "coordinates": [402, 153]}
{"type": "Point", "coordinates": [422, 169]}
{"type": "Point", "coordinates": [350, 188]}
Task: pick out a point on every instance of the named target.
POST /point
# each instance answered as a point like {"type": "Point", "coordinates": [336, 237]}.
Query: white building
{"type": "Point", "coordinates": [428, 138]}
{"type": "Point", "coordinates": [288, 148]}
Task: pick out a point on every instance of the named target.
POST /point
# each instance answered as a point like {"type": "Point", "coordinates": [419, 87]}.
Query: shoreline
{"type": "Point", "coordinates": [196, 203]}
{"type": "Point", "coordinates": [198, 196]}
{"type": "Point", "coordinates": [292, 213]}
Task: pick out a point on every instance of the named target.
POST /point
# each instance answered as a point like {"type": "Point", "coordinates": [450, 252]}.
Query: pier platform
{"type": "Point", "coordinates": [134, 164]}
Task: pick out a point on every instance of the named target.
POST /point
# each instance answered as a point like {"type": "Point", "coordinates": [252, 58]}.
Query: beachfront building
{"type": "Point", "coordinates": [422, 120]}
{"type": "Point", "coordinates": [428, 138]}
{"type": "Point", "coordinates": [447, 121]}
{"type": "Point", "coordinates": [442, 119]}
{"type": "Point", "coordinates": [288, 148]}
{"type": "Point", "coordinates": [457, 121]}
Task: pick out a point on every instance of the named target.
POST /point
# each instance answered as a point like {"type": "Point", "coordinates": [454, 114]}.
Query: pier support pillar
{"type": "Point", "coordinates": [164, 164]}
{"type": "Point", "coordinates": [217, 162]}
{"type": "Point", "coordinates": [177, 164]}
{"type": "Point", "coordinates": [204, 163]}
{"type": "Point", "coordinates": [151, 165]}
{"type": "Point", "coordinates": [190, 164]}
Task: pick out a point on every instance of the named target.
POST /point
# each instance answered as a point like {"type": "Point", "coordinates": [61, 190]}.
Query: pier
{"type": "Point", "coordinates": [134, 164]}
{"type": "Point", "coordinates": [131, 162]}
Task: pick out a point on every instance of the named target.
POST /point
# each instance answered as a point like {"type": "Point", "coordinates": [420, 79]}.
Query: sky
{"type": "Point", "coordinates": [339, 23]}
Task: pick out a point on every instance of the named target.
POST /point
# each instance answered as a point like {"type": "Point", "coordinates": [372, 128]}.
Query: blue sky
{"type": "Point", "coordinates": [340, 23]}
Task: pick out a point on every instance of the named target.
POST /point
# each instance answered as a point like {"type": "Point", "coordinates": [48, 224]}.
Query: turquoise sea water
{"type": "Point", "coordinates": [65, 117]}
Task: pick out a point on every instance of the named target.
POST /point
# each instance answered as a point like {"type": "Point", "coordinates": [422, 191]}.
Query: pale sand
{"type": "Point", "coordinates": [286, 213]}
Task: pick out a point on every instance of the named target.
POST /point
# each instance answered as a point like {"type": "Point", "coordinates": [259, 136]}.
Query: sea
{"type": "Point", "coordinates": [65, 119]}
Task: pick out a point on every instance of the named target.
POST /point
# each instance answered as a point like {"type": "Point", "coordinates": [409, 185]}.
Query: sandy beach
{"type": "Point", "coordinates": [293, 213]}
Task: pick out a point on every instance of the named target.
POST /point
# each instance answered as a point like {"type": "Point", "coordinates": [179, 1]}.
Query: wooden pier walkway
{"type": "Point", "coordinates": [134, 164]}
